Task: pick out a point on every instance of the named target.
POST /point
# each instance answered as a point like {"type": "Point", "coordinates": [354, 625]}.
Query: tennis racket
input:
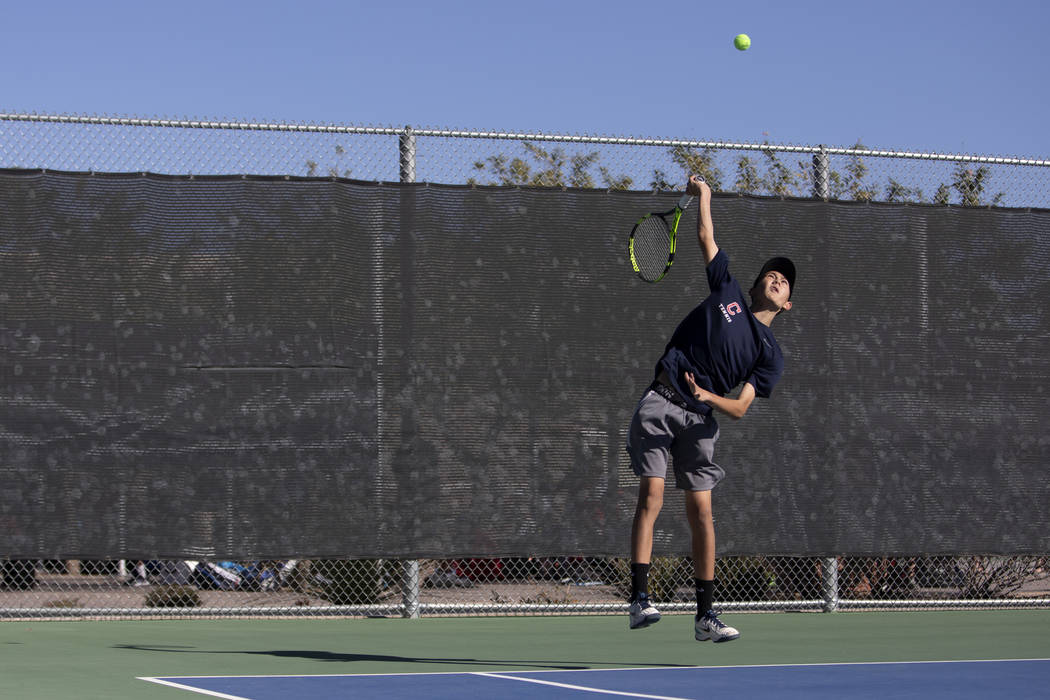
{"type": "Point", "coordinates": [652, 241]}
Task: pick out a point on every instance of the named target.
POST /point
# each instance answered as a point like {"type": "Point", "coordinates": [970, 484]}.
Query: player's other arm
{"type": "Point", "coordinates": [734, 408]}
{"type": "Point", "coordinates": [705, 228]}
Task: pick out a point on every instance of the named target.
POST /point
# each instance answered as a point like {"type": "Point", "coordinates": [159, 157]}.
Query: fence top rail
{"type": "Point", "coordinates": [513, 136]}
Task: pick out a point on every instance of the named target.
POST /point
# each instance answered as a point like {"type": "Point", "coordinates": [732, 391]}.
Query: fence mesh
{"type": "Point", "coordinates": [539, 585]}
{"type": "Point", "coordinates": [543, 583]}
{"type": "Point", "coordinates": [857, 172]}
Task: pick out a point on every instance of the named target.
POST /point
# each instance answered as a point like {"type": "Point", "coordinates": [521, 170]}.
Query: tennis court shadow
{"type": "Point", "coordinates": [328, 656]}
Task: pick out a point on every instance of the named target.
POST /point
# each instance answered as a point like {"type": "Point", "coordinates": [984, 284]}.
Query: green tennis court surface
{"type": "Point", "coordinates": [109, 659]}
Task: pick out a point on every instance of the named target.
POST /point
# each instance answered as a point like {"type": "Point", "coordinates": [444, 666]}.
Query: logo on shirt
{"type": "Point", "coordinates": [729, 311]}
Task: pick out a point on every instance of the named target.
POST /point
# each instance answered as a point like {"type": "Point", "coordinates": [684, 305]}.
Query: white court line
{"type": "Point", "coordinates": [190, 688]}
{"type": "Point", "coordinates": [569, 686]}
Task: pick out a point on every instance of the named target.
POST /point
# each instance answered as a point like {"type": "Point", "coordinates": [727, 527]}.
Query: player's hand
{"type": "Point", "coordinates": [698, 187]}
{"type": "Point", "coordinates": [695, 389]}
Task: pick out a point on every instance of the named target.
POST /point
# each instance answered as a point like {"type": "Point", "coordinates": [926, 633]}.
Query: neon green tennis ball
{"type": "Point", "coordinates": [742, 42]}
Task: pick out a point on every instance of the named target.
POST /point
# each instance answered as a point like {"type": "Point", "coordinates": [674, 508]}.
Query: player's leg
{"type": "Point", "coordinates": [702, 526]}
{"type": "Point", "coordinates": [650, 501]}
{"type": "Point", "coordinates": [648, 443]}
{"type": "Point", "coordinates": [698, 475]}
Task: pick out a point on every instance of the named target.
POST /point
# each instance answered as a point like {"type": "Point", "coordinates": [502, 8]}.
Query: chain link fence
{"type": "Point", "coordinates": [535, 585]}
{"type": "Point", "coordinates": [388, 154]}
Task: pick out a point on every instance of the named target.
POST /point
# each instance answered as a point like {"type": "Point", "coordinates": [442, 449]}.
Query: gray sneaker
{"type": "Point", "coordinates": [642, 614]}
{"type": "Point", "coordinates": [708, 626]}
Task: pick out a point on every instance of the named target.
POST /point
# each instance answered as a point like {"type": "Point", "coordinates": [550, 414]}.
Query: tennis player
{"type": "Point", "coordinates": [723, 342]}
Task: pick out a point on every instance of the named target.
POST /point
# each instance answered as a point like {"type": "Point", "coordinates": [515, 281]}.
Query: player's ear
{"type": "Point", "coordinates": [786, 306]}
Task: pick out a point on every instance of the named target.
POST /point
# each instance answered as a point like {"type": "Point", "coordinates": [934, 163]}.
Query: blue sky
{"type": "Point", "coordinates": [961, 77]}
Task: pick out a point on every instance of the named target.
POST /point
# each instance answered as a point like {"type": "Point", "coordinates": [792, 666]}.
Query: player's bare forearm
{"type": "Point", "coordinates": [734, 408]}
{"type": "Point", "coordinates": [705, 228]}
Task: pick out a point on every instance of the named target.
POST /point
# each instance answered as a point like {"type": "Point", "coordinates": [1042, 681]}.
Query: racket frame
{"type": "Point", "coordinates": [672, 234]}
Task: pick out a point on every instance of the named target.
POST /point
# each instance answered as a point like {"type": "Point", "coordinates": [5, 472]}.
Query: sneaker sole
{"type": "Point", "coordinates": [651, 620]}
{"type": "Point", "coordinates": [708, 637]}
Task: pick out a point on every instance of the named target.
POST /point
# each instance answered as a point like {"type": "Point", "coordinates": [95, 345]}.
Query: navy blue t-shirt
{"type": "Point", "coordinates": [722, 343]}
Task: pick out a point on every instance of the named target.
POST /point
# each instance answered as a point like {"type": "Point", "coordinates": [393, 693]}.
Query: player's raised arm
{"type": "Point", "coordinates": [705, 228]}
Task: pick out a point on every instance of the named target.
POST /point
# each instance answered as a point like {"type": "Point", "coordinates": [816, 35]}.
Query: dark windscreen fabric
{"type": "Point", "coordinates": [270, 368]}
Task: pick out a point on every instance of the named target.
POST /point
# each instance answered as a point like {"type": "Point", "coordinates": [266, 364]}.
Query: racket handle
{"type": "Point", "coordinates": [684, 201]}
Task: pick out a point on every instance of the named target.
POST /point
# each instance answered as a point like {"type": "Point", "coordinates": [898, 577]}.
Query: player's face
{"type": "Point", "coordinates": [775, 287]}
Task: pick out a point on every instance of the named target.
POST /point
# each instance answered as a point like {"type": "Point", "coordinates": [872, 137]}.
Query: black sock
{"type": "Point", "coordinates": [705, 595]}
{"type": "Point", "coordinates": [639, 580]}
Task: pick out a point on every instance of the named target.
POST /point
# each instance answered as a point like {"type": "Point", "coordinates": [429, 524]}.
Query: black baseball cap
{"type": "Point", "coordinates": [782, 265]}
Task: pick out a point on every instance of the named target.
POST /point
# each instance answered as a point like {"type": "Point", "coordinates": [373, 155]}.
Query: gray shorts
{"type": "Point", "coordinates": [661, 430]}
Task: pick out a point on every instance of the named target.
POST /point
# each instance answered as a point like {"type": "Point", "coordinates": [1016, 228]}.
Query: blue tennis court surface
{"type": "Point", "coordinates": [1019, 678]}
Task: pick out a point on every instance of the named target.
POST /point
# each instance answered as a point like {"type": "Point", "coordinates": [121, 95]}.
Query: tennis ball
{"type": "Point", "coordinates": [742, 42]}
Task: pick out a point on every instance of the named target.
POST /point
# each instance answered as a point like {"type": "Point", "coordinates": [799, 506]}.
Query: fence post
{"type": "Point", "coordinates": [830, 578]}
{"type": "Point", "coordinates": [410, 570]}
{"type": "Point", "coordinates": [821, 174]}
{"type": "Point", "coordinates": [407, 153]}
{"type": "Point", "coordinates": [830, 565]}
{"type": "Point", "coordinates": [410, 589]}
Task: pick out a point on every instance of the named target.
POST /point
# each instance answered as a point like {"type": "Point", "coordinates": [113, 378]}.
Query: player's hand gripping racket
{"type": "Point", "coordinates": [652, 241]}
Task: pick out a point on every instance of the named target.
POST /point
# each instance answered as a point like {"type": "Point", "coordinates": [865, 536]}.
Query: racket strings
{"type": "Point", "coordinates": [651, 247]}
